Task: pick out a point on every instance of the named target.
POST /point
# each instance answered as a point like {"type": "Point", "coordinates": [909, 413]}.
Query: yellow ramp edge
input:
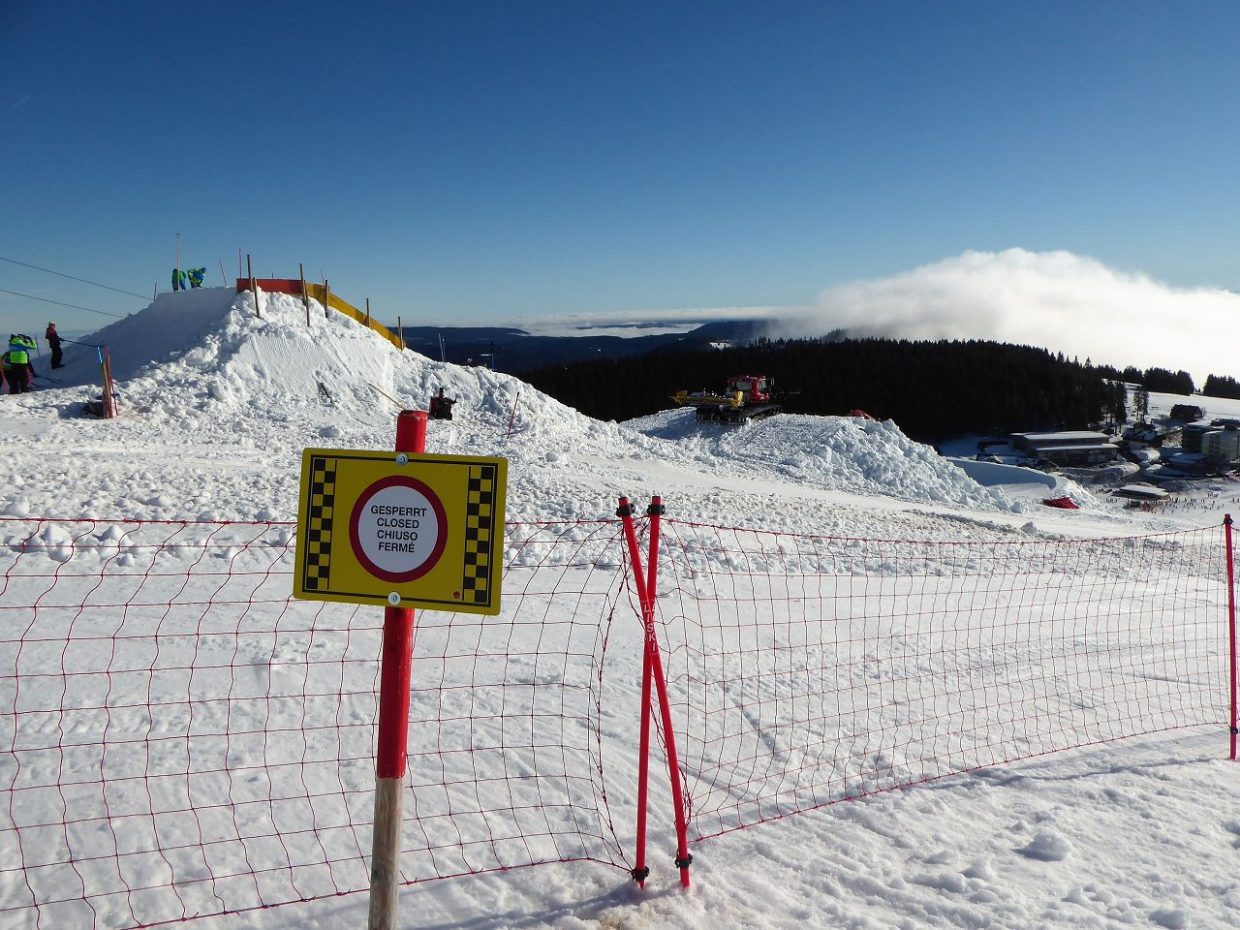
{"type": "Point", "coordinates": [321, 294]}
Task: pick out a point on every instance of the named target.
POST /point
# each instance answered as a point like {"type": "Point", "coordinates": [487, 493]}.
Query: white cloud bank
{"type": "Point", "coordinates": [636, 322]}
{"type": "Point", "coordinates": [1057, 300]}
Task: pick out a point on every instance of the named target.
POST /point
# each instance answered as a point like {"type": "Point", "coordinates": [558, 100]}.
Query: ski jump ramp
{"type": "Point", "coordinates": [322, 293]}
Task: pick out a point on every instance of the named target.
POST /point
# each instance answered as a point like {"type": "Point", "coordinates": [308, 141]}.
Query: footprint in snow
{"type": "Point", "coordinates": [1173, 918]}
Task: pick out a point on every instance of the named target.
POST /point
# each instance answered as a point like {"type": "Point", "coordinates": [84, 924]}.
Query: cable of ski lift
{"type": "Point", "coordinates": [62, 274]}
{"type": "Point", "coordinates": [61, 303]}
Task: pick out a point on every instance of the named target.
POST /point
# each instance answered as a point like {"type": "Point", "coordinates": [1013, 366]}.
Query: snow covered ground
{"type": "Point", "coordinates": [217, 403]}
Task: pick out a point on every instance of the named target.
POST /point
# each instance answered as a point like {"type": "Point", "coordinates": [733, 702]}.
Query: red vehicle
{"type": "Point", "coordinates": [748, 397]}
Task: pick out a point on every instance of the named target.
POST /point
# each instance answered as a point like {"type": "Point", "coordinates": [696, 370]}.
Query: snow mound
{"type": "Point", "coordinates": [166, 330]}
{"type": "Point", "coordinates": [834, 453]}
{"type": "Point", "coordinates": [212, 360]}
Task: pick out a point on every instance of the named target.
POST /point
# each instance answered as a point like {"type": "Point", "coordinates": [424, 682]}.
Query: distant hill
{"type": "Point", "coordinates": [933, 390]}
{"type": "Point", "coordinates": [515, 350]}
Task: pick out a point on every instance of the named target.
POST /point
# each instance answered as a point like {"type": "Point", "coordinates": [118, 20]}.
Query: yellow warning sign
{"type": "Point", "coordinates": [401, 529]}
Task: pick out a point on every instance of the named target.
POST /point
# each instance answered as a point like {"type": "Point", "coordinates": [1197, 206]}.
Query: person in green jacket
{"type": "Point", "coordinates": [197, 276]}
{"type": "Point", "coordinates": [17, 363]}
{"type": "Point", "coordinates": [179, 279]}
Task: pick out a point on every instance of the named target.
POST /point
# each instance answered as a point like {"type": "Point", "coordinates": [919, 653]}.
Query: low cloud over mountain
{"type": "Point", "coordinates": [1061, 301]}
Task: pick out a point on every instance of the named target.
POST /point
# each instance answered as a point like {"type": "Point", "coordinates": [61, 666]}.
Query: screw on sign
{"type": "Point", "coordinates": [398, 529]}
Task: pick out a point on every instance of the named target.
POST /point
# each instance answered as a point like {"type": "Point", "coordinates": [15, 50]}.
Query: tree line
{"type": "Point", "coordinates": [933, 390]}
{"type": "Point", "coordinates": [1174, 382]}
{"type": "Point", "coordinates": [1157, 379]}
{"type": "Point", "coordinates": [1221, 386]}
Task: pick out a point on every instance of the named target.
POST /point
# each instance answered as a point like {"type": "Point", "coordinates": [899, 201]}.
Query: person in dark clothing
{"type": "Point", "coordinates": [16, 374]}
{"type": "Point", "coordinates": [17, 363]}
{"type": "Point", "coordinates": [441, 407]}
{"type": "Point", "coordinates": [53, 340]}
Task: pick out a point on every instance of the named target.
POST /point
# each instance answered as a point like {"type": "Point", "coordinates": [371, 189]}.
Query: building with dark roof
{"type": "Point", "coordinates": [1070, 448]}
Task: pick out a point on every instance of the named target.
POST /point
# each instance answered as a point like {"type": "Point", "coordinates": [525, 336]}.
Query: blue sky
{"type": "Point", "coordinates": [487, 161]}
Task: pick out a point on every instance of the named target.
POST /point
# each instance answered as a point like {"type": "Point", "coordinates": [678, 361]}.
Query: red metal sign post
{"type": "Point", "coordinates": [393, 727]}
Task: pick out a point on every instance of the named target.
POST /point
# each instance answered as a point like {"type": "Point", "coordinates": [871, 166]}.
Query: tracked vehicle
{"type": "Point", "coordinates": [747, 397]}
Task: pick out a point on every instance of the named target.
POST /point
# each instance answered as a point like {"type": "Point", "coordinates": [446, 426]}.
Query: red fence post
{"type": "Point", "coordinates": [640, 870]}
{"type": "Point", "coordinates": [652, 669]}
{"type": "Point", "coordinates": [1231, 626]}
{"type": "Point", "coordinates": [393, 744]}
{"type": "Point", "coordinates": [683, 859]}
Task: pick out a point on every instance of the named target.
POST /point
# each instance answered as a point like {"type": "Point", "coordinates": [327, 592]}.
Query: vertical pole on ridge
{"type": "Point", "coordinates": [652, 670]}
{"type": "Point", "coordinates": [249, 268]}
{"type": "Point", "coordinates": [305, 298]}
{"type": "Point", "coordinates": [512, 417]}
{"type": "Point", "coordinates": [109, 388]}
{"type": "Point", "coordinates": [393, 743]}
{"type": "Point", "coordinates": [1231, 626]}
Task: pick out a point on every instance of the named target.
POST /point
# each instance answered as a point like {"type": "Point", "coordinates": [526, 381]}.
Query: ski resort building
{"type": "Point", "coordinates": [1221, 445]}
{"type": "Point", "coordinates": [1210, 439]}
{"type": "Point", "coordinates": [1071, 448]}
{"type": "Point", "coordinates": [1193, 433]}
{"type": "Point", "coordinates": [1142, 495]}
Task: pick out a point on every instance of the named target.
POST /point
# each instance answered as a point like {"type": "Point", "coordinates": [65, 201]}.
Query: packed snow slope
{"type": "Point", "coordinates": [217, 403]}
{"type": "Point", "coordinates": [232, 396]}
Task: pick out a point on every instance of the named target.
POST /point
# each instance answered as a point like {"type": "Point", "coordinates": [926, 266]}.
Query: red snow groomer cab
{"type": "Point", "coordinates": [748, 397]}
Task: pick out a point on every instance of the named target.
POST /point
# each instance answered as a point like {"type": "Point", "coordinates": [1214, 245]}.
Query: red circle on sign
{"type": "Point", "coordinates": [441, 538]}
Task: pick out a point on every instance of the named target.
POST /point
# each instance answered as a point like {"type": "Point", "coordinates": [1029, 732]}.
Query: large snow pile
{"type": "Point", "coordinates": [204, 377]}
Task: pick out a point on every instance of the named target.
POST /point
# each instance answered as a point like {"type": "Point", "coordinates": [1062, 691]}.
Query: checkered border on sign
{"type": "Point", "coordinates": [318, 530]}
{"type": "Point", "coordinates": [479, 535]}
